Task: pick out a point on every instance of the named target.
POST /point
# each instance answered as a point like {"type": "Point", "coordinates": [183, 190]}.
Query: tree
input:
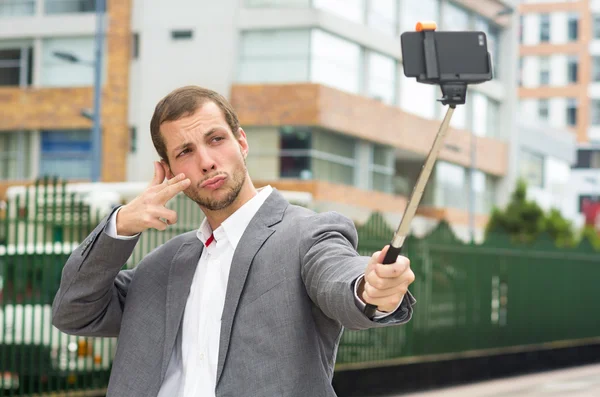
{"type": "Point", "coordinates": [522, 219]}
{"type": "Point", "coordinates": [560, 229]}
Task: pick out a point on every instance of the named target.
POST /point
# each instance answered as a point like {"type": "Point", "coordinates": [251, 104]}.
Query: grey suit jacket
{"type": "Point", "coordinates": [289, 297]}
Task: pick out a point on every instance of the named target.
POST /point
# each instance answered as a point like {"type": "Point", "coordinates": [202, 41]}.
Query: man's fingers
{"type": "Point", "coordinates": [393, 269]}
{"type": "Point", "coordinates": [167, 215]}
{"type": "Point", "coordinates": [159, 174]}
{"type": "Point", "coordinates": [374, 293]}
{"type": "Point", "coordinates": [171, 190]}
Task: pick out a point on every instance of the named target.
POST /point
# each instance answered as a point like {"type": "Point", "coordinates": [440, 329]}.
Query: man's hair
{"type": "Point", "coordinates": [183, 102]}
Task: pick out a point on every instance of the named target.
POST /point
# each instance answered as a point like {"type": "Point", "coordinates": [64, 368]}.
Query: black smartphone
{"type": "Point", "coordinates": [462, 56]}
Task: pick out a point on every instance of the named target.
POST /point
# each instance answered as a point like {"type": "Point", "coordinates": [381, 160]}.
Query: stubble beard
{"type": "Point", "coordinates": [238, 178]}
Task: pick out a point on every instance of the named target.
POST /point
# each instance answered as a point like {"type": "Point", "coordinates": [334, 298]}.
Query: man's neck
{"type": "Point", "coordinates": [216, 218]}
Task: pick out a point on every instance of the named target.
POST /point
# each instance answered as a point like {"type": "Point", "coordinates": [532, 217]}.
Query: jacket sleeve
{"type": "Point", "coordinates": [331, 265]}
{"type": "Point", "coordinates": [93, 288]}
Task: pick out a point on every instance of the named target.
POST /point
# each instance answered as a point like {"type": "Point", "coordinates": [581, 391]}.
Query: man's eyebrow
{"type": "Point", "coordinates": [184, 145]}
{"type": "Point", "coordinates": [212, 131]}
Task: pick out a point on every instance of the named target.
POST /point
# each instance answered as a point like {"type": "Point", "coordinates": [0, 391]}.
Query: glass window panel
{"type": "Point", "coordinates": [493, 118]}
{"type": "Point", "coordinates": [573, 26]}
{"type": "Point", "coordinates": [455, 17]}
{"type": "Point", "coordinates": [274, 56]}
{"type": "Point", "coordinates": [543, 109]}
{"type": "Point", "coordinates": [596, 26]}
{"type": "Point", "coordinates": [532, 168]}
{"type": "Point", "coordinates": [381, 155]}
{"type": "Point", "coordinates": [15, 155]}
{"type": "Point", "coordinates": [418, 98]}
{"type": "Point", "coordinates": [335, 62]}
{"type": "Point", "coordinates": [480, 114]}
{"type": "Point", "coordinates": [332, 143]}
{"type": "Point", "coordinates": [382, 77]}
{"type": "Point", "coordinates": [69, 6]}
{"type": "Point", "coordinates": [330, 171]}
{"type": "Point", "coordinates": [572, 66]}
{"type": "Point", "coordinates": [17, 8]}
{"type": "Point", "coordinates": [451, 186]}
{"type": "Point", "coordinates": [427, 10]}
{"type": "Point", "coordinates": [544, 70]}
{"type": "Point", "coordinates": [57, 72]}
{"type": "Point", "coordinates": [383, 16]}
{"type": "Point", "coordinates": [596, 68]}
{"type": "Point", "coordinates": [16, 62]}
{"type": "Point", "coordinates": [66, 154]}
{"type": "Point", "coordinates": [544, 27]}
{"type": "Point", "coordinates": [348, 9]}
{"type": "Point", "coordinates": [382, 182]}
{"type": "Point", "coordinates": [595, 112]}
{"type": "Point", "coordinates": [571, 111]}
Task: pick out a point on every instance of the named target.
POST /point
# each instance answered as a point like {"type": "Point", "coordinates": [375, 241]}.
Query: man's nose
{"type": "Point", "coordinates": [206, 162]}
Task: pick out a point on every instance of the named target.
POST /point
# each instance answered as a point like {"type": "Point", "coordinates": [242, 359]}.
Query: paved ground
{"type": "Point", "coordinates": [575, 382]}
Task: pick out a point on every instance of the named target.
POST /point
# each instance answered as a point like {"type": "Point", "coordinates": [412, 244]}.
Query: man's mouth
{"type": "Point", "coordinates": [214, 183]}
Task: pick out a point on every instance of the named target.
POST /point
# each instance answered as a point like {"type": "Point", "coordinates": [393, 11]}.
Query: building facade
{"type": "Point", "coordinates": [560, 88]}
{"type": "Point", "coordinates": [318, 85]}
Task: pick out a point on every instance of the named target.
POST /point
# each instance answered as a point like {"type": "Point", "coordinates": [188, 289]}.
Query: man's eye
{"type": "Point", "coordinates": [218, 138]}
{"type": "Point", "coordinates": [183, 152]}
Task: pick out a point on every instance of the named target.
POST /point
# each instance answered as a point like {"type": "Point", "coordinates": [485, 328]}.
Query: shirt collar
{"type": "Point", "coordinates": [234, 227]}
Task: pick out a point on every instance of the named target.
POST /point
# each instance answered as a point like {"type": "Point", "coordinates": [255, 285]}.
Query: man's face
{"type": "Point", "coordinates": [203, 147]}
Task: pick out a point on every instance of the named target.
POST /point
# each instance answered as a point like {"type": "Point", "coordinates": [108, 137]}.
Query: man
{"type": "Point", "coordinates": [253, 303]}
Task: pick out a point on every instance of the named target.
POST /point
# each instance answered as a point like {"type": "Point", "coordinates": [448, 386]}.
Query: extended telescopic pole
{"type": "Point", "coordinates": [415, 198]}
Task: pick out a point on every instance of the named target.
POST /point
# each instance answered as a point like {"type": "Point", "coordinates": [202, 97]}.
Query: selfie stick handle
{"type": "Point", "coordinates": [415, 198]}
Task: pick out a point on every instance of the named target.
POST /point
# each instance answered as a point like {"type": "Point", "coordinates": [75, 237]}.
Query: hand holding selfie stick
{"type": "Point", "coordinates": [444, 67]}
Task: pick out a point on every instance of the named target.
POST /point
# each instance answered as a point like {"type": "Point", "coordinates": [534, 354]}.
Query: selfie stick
{"type": "Point", "coordinates": [457, 92]}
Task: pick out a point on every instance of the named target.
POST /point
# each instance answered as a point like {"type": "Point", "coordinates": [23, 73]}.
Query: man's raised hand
{"type": "Point", "coordinates": [147, 209]}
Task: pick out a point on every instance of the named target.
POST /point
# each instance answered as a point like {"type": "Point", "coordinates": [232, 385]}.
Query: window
{"type": "Point", "coordinates": [299, 56]}
{"type": "Point", "coordinates": [521, 27]}
{"type": "Point", "coordinates": [419, 98]}
{"type": "Point", "coordinates": [573, 26]}
{"type": "Point", "coordinates": [451, 186]}
{"type": "Point", "coordinates": [133, 140]}
{"type": "Point", "coordinates": [543, 109]}
{"type": "Point", "coordinates": [382, 168]}
{"type": "Point", "coordinates": [16, 63]}
{"type": "Point", "coordinates": [596, 68]}
{"type": "Point", "coordinates": [66, 154]}
{"type": "Point", "coordinates": [480, 113]}
{"type": "Point", "coordinates": [544, 70]}
{"type": "Point", "coordinates": [17, 8]}
{"type": "Point", "coordinates": [335, 62]}
{"type": "Point", "coordinates": [595, 112]}
{"type": "Point", "coordinates": [571, 111]}
{"type": "Point", "coordinates": [307, 153]}
{"type": "Point", "coordinates": [182, 34]}
{"type": "Point", "coordinates": [544, 28]}
{"type": "Point", "coordinates": [588, 159]}
{"type": "Point", "coordinates": [57, 72]}
{"type": "Point", "coordinates": [572, 67]}
{"type": "Point", "coordinates": [274, 56]}
{"type": "Point", "coordinates": [383, 16]}
{"type": "Point", "coordinates": [15, 152]}
{"type": "Point", "coordinates": [428, 10]}
{"type": "Point", "coordinates": [69, 6]}
{"type": "Point", "coordinates": [596, 26]}
{"type": "Point", "coordinates": [493, 110]}
{"type": "Point", "coordinates": [531, 168]}
{"type": "Point", "coordinates": [381, 79]}
{"type": "Point", "coordinates": [354, 10]}
{"type": "Point", "coordinates": [455, 17]}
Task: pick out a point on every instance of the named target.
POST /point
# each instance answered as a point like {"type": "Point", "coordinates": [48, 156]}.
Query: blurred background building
{"type": "Point", "coordinates": [559, 88]}
{"type": "Point", "coordinates": [320, 91]}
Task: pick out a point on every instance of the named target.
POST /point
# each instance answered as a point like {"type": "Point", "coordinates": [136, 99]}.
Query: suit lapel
{"type": "Point", "coordinates": [257, 232]}
{"type": "Point", "coordinates": [181, 274]}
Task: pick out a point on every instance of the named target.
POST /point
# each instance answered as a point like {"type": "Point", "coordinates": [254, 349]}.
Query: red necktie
{"type": "Point", "coordinates": [210, 240]}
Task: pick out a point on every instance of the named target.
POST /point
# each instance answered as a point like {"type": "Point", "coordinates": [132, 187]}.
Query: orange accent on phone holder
{"type": "Point", "coordinates": [426, 25]}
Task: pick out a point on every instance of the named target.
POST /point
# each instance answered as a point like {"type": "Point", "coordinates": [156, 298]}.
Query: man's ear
{"type": "Point", "coordinates": [242, 140]}
{"type": "Point", "coordinates": [167, 169]}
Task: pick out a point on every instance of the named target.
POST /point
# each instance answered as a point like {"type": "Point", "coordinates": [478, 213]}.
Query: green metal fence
{"type": "Point", "coordinates": [471, 299]}
{"type": "Point", "coordinates": [475, 300]}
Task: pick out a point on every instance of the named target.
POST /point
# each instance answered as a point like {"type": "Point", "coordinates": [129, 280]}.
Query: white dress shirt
{"type": "Point", "coordinates": [192, 368]}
